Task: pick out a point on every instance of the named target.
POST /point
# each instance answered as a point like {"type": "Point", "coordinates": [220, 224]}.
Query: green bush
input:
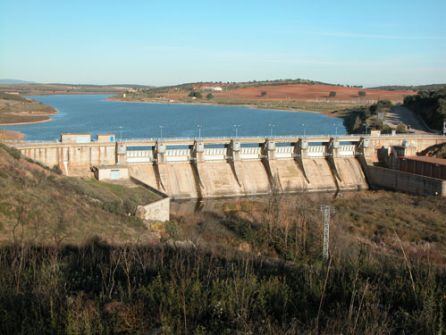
{"type": "Point", "coordinates": [401, 128]}
{"type": "Point", "coordinates": [195, 94]}
{"type": "Point", "coordinates": [16, 154]}
{"type": "Point", "coordinates": [430, 106]}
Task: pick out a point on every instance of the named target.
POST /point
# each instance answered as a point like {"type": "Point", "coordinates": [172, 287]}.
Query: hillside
{"type": "Point", "coordinates": [57, 88]}
{"type": "Point", "coordinates": [8, 81]}
{"type": "Point", "coordinates": [15, 109]}
{"type": "Point", "coordinates": [284, 94]}
{"type": "Point", "coordinates": [410, 87]}
{"type": "Point", "coordinates": [38, 205]}
{"type": "Point", "coordinates": [430, 106]}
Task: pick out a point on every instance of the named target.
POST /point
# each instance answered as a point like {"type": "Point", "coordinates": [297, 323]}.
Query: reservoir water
{"type": "Point", "coordinates": [95, 114]}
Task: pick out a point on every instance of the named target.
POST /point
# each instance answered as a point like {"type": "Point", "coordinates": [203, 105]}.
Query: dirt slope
{"type": "Point", "coordinates": [39, 205]}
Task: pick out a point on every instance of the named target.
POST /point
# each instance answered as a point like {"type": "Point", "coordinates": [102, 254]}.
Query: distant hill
{"type": "Point", "coordinates": [29, 88]}
{"type": "Point", "coordinates": [13, 81]}
{"type": "Point", "coordinates": [431, 87]}
{"type": "Point", "coordinates": [230, 85]}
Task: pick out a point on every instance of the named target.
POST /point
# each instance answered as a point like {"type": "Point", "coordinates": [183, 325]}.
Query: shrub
{"type": "Point", "coordinates": [16, 154]}
{"type": "Point", "coordinates": [401, 128]}
{"type": "Point", "coordinates": [195, 94]}
{"type": "Point", "coordinates": [56, 169]}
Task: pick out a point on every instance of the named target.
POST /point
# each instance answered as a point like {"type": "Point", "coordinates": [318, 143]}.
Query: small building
{"type": "Point", "coordinates": [105, 138]}
{"type": "Point", "coordinates": [212, 88]}
{"type": "Point", "coordinates": [75, 138]}
{"type": "Point", "coordinates": [111, 172]}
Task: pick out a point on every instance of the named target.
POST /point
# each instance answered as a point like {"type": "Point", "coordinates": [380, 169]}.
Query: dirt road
{"type": "Point", "coordinates": [401, 114]}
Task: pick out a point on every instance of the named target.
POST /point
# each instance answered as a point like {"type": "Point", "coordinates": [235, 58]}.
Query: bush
{"type": "Point", "coordinates": [430, 105]}
{"type": "Point", "coordinates": [332, 94]}
{"type": "Point", "coordinates": [362, 94]}
{"type": "Point", "coordinates": [16, 154]}
{"type": "Point", "coordinates": [401, 128]}
{"type": "Point", "coordinates": [195, 94]}
{"type": "Point", "coordinates": [209, 96]}
{"type": "Point", "coordinates": [56, 169]}
{"type": "Point", "coordinates": [100, 288]}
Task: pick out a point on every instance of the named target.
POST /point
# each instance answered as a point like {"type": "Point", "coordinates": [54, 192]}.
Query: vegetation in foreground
{"type": "Point", "coordinates": [100, 288]}
{"type": "Point", "coordinates": [239, 267]}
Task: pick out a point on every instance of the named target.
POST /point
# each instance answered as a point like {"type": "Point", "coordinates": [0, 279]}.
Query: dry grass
{"type": "Point", "coordinates": [362, 220]}
{"type": "Point", "coordinates": [40, 206]}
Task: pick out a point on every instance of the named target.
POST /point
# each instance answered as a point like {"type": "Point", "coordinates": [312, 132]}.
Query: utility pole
{"type": "Point", "coordinates": [271, 127]}
{"type": "Point", "coordinates": [120, 133]}
{"type": "Point", "coordinates": [199, 131]}
{"type": "Point", "coordinates": [326, 211]}
{"type": "Point", "coordinates": [336, 129]}
{"type": "Point", "coordinates": [236, 126]}
{"type": "Point", "coordinates": [161, 133]}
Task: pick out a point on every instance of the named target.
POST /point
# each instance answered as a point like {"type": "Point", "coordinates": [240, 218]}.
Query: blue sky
{"type": "Point", "coordinates": [167, 42]}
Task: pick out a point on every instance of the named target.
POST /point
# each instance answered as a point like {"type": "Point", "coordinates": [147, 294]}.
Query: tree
{"type": "Point", "coordinates": [195, 94]}
{"type": "Point", "coordinates": [357, 124]}
{"type": "Point", "coordinates": [401, 128]}
{"type": "Point", "coordinates": [209, 96]}
{"type": "Point", "coordinates": [332, 94]}
{"type": "Point", "coordinates": [362, 94]}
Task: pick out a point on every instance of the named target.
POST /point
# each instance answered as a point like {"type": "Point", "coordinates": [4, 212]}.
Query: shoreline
{"type": "Point", "coordinates": [25, 123]}
{"type": "Point", "coordinates": [291, 110]}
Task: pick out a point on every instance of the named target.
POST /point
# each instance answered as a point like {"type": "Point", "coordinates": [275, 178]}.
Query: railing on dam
{"type": "Point", "coordinates": [284, 152]}
{"type": "Point", "coordinates": [178, 155]}
{"type": "Point", "coordinates": [215, 154]}
{"type": "Point", "coordinates": [316, 151]}
{"type": "Point", "coordinates": [151, 150]}
{"type": "Point", "coordinates": [250, 153]}
{"type": "Point", "coordinates": [347, 150]}
{"type": "Point", "coordinates": [227, 139]}
{"type": "Point", "coordinates": [139, 156]}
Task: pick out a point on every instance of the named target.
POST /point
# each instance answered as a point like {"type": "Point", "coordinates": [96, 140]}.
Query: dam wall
{"type": "Point", "coordinates": [405, 182]}
{"type": "Point", "coordinates": [221, 167]}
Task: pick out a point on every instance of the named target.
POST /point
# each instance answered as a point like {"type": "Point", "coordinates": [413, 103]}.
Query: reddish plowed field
{"type": "Point", "coordinates": [309, 92]}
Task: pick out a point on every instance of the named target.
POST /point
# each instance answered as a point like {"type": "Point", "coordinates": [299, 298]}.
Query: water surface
{"type": "Point", "coordinates": [95, 114]}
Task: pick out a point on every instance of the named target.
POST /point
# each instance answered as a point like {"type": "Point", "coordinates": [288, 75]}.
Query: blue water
{"type": "Point", "coordinates": [94, 114]}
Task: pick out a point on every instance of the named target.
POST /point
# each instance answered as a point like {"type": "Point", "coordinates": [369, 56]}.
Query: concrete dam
{"type": "Point", "coordinates": [222, 167]}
